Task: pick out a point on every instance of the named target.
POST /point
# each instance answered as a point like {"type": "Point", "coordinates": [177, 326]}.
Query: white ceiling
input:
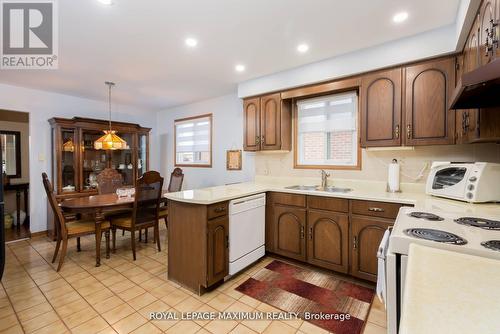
{"type": "Point", "coordinates": [140, 44]}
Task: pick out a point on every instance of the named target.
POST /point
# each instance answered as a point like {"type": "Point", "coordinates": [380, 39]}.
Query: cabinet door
{"type": "Point", "coordinates": [218, 249]}
{"type": "Point", "coordinates": [270, 122]}
{"type": "Point", "coordinates": [367, 232]}
{"type": "Point", "coordinates": [486, 14]}
{"type": "Point", "coordinates": [289, 223]}
{"type": "Point", "coordinates": [381, 109]}
{"type": "Point", "coordinates": [327, 240]}
{"type": "Point", "coordinates": [428, 88]}
{"type": "Point", "coordinates": [251, 125]}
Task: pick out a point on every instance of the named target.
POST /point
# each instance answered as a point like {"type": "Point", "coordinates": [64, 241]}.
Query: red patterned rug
{"type": "Point", "coordinates": [311, 294]}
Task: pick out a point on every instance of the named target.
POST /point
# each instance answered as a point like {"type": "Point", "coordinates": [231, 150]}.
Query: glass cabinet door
{"type": "Point", "coordinates": [68, 160]}
{"type": "Point", "coordinates": [93, 161]}
{"type": "Point", "coordinates": [122, 161]}
{"type": "Point", "coordinates": [142, 151]}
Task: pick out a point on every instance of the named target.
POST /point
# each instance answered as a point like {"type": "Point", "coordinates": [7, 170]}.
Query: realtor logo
{"type": "Point", "coordinates": [29, 34]}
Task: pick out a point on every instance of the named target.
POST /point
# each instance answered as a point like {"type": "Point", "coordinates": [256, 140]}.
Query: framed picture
{"type": "Point", "coordinates": [233, 160]}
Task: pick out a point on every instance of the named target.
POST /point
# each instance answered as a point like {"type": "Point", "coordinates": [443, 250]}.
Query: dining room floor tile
{"type": "Point", "coordinates": [121, 295]}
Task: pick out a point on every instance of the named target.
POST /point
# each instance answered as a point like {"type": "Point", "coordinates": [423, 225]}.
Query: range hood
{"type": "Point", "coordinates": [479, 88]}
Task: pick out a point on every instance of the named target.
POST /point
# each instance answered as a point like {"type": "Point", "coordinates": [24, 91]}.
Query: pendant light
{"type": "Point", "coordinates": [110, 140]}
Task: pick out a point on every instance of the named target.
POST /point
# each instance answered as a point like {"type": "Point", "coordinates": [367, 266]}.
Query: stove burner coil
{"type": "Point", "coordinates": [425, 215]}
{"type": "Point", "coordinates": [479, 222]}
{"type": "Point", "coordinates": [492, 244]}
{"type": "Point", "coordinates": [435, 235]}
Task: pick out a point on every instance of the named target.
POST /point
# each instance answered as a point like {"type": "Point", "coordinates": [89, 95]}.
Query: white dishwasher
{"type": "Point", "coordinates": [247, 221]}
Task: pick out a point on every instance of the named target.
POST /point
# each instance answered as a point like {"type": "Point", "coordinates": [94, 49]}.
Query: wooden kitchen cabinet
{"type": "Point", "coordinates": [198, 244]}
{"type": "Point", "coordinates": [289, 234]}
{"type": "Point", "coordinates": [381, 108]}
{"type": "Point", "coordinates": [267, 123]}
{"type": "Point", "coordinates": [366, 234]}
{"type": "Point", "coordinates": [218, 249]}
{"type": "Point", "coordinates": [428, 88]}
{"type": "Point", "coordinates": [327, 240]}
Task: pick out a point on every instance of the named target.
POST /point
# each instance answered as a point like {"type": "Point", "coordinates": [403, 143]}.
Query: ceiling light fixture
{"type": "Point", "coordinates": [191, 42]}
{"type": "Point", "coordinates": [400, 17]}
{"type": "Point", "coordinates": [239, 68]}
{"type": "Point", "coordinates": [110, 140]}
{"type": "Point", "coordinates": [106, 2]}
{"type": "Point", "coordinates": [302, 48]}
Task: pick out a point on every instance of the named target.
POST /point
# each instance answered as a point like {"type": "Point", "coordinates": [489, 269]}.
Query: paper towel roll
{"type": "Point", "coordinates": [393, 176]}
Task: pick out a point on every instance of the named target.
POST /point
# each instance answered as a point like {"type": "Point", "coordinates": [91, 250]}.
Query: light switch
{"type": "Point", "coordinates": [41, 157]}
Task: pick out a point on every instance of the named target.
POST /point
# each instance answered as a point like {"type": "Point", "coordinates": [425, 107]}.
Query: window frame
{"type": "Point", "coordinates": [296, 164]}
{"type": "Point", "coordinates": [210, 117]}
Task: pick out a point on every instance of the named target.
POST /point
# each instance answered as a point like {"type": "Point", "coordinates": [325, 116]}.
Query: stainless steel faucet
{"type": "Point", "coordinates": [324, 179]}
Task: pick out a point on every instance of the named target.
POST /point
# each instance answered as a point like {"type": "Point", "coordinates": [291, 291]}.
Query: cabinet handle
{"type": "Point", "coordinates": [396, 131]}
{"type": "Point", "coordinates": [257, 140]}
{"type": "Point", "coordinates": [310, 233]}
{"type": "Point", "coordinates": [376, 209]}
{"type": "Point", "coordinates": [355, 242]}
{"type": "Point", "coordinates": [220, 209]}
{"type": "Point", "coordinates": [263, 140]}
{"type": "Point", "coordinates": [302, 232]}
{"type": "Point", "coordinates": [408, 131]}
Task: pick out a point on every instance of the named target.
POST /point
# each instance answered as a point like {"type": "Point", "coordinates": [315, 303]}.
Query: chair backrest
{"type": "Point", "coordinates": [108, 181]}
{"type": "Point", "coordinates": [147, 196]}
{"type": "Point", "coordinates": [58, 216]}
{"type": "Point", "coordinates": [176, 179]}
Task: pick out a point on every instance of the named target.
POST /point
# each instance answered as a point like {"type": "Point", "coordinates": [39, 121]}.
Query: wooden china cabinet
{"type": "Point", "coordinates": [76, 163]}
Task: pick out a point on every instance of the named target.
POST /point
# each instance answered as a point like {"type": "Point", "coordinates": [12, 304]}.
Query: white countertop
{"type": "Point", "coordinates": [362, 190]}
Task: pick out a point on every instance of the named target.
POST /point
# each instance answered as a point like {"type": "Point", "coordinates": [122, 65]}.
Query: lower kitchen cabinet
{"type": "Point", "coordinates": [327, 241]}
{"type": "Point", "coordinates": [218, 249]}
{"type": "Point", "coordinates": [289, 231]}
{"type": "Point", "coordinates": [366, 234]}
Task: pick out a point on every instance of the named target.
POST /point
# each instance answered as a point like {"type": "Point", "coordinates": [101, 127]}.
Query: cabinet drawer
{"type": "Point", "coordinates": [328, 203]}
{"type": "Point", "coordinates": [289, 199]}
{"type": "Point", "coordinates": [376, 209]}
{"type": "Point", "coordinates": [217, 210]}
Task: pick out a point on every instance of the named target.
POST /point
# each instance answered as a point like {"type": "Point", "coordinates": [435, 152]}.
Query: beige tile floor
{"type": "Point", "coordinates": [118, 296]}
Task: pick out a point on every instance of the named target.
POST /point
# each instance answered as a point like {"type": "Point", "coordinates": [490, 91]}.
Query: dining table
{"type": "Point", "coordinates": [98, 206]}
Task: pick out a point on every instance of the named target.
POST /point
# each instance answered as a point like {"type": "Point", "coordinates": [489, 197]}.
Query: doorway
{"type": "Point", "coordinates": [14, 144]}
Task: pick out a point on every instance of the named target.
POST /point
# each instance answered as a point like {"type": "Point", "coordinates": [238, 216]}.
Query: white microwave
{"type": "Point", "coordinates": [473, 182]}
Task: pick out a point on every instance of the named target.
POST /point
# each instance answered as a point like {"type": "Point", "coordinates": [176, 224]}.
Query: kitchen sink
{"type": "Point", "coordinates": [318, 188]}
{"type": "Point", "coordinates": [299, 187]}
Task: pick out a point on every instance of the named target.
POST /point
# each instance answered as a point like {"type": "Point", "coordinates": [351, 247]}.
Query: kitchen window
{"type": "Point", "coordinates": [326, 132]}
{"type": "Point", "coordinates": [193, 141]}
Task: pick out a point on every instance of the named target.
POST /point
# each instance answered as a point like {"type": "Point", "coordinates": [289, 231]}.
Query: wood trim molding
{"type": "Point", "coordinates": [329, 87]}
{"type": "Point", "coordinates": [209, 165]}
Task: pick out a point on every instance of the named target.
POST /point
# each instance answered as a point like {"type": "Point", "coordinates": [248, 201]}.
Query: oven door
{"type": "Point", "coordinates": [448, 181]}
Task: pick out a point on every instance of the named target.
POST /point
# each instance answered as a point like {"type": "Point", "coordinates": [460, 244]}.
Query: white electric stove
{"type": "Point", "coordinates": [478, 236]}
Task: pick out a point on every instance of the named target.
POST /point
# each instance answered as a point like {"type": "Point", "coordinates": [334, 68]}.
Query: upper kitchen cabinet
{"type": "Point", "coordinates": [428, 87]}
{"type": "Point", "coordinates": [381, 108]}
{"type": "Point", "coordinates": [487, 14]}
{"type": "Point", "coordinates": [267, 123]}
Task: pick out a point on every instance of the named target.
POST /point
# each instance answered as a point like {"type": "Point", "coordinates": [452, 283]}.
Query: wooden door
{"type": "Point", "coordinates": [289, 235]}
{"type": "Point", "coordinates": [327, 240]}
{"type": "Point", "coordinates": [270, 122]}
{"type": "Point", "coordinates": [381, 108]}
{"type": "Point", "coordinates": [251, 124]}
{"type": "Point", "coordinates": [218, 249]}
{"type": "Point", "coordinates": [427, 91]}
{"type": "Point", "coordinates": [367, 232]}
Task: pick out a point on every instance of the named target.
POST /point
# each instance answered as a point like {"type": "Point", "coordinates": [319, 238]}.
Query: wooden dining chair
{"type": "Point", "coordinates": [175, 184]}
{"type": "Point", "coordinates": [69, 229]}
{"type": "Point", "coordinates": [108, 181]}
{"type": "Point", "coordinates": [145, 214]}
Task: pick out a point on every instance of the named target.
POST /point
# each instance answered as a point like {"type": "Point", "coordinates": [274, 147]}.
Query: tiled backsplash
{"type": "Point", "coordinates": [374, 162]}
